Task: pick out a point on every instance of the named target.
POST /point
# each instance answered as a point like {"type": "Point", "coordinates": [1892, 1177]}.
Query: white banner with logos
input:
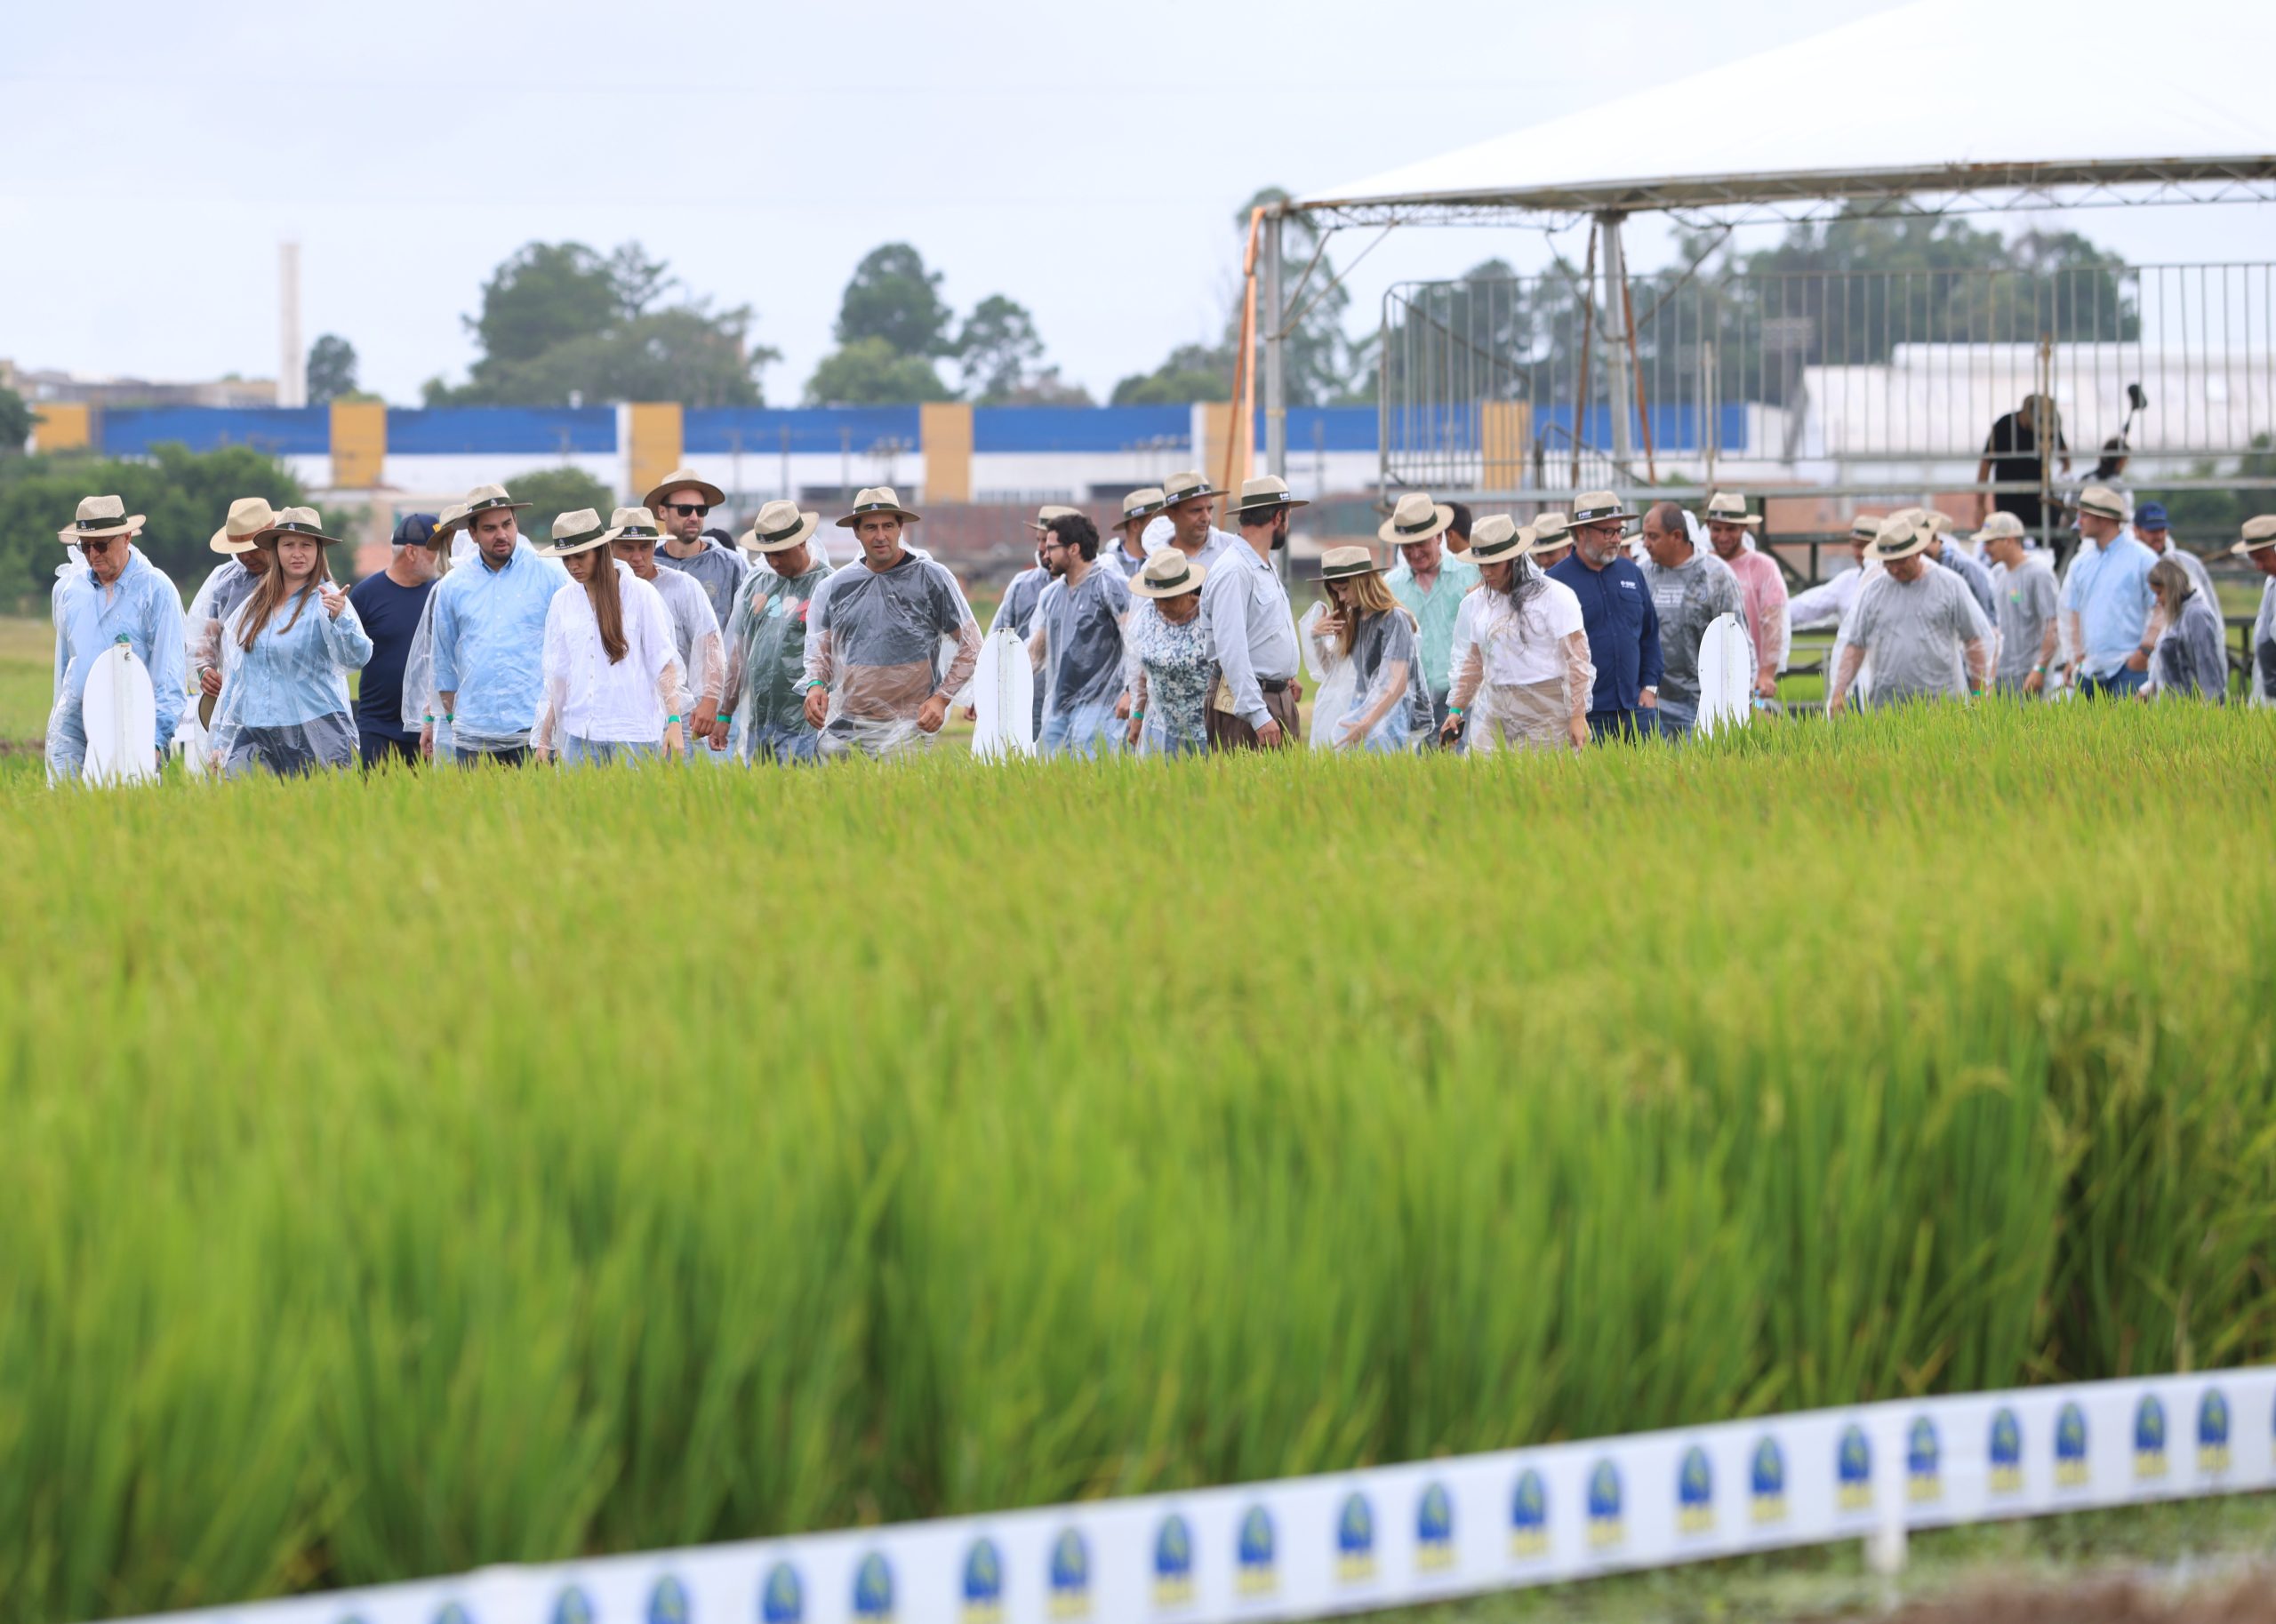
{"type": "Point", "coordinates": [1392, 1536]}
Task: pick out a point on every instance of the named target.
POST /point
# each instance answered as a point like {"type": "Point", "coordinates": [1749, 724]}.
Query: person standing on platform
{"type": "Point", "coordinates": [2015, 453]}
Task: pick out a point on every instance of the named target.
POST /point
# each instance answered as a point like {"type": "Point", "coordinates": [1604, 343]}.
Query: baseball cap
{"type": "Point", "coordinates": [2151, 515]}
{"type": "Point", "coordinates": [415, 530]}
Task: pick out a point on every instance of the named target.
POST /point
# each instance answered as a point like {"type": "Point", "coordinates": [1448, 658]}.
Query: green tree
{"type": "Point", "coordinates": [551, 491]}
{"type": "Point", "coordinates": [15, 422]}
{"type": "Point", "coordinates": [870, 372]}
{"type": "Point", "coordinates": [1002, 359]}
{"type": "Point", "coordinates": [332, 369]}
{"type": "Point", "coordinates": [894, 298]}
{"type": "Point", "coordinates": [1193, 372]}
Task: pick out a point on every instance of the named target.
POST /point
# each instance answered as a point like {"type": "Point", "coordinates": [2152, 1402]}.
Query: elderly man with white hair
{"type": "Point", "coordinates": [1919, 625]}
{"type": "Point", "coordinates": [113, 595]}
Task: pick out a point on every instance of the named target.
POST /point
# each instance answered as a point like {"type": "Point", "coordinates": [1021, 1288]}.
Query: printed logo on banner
{"type": "Point", "coordinates": [984, 1583]}
{"type": "Point", "coordinates": [782, 1598]}
{"type": "Point", "coordinates": [2149, 1438]}
{"type": "Point", "coordinates": [2213, 1432]}
{"type": "Point", "coordinates": [573, 1606]}
{"type": "Point", "coordinates": [668, 1603]}
{"type": "Point", "coordinates": [1923, 1461]}
{"type": "Point", "coordinates": [1172, 1563]}
{"type": "Point", "coordinates": [1695, 1493]}
{"type": "Point", "coordinates": [1529, 1514]}
{"type": "Point", "coordinates": [873, 1590]}
{"type": "Point", "coordinates": [1853, 1469]}
{"type": "Point", "coordinates": [1255, 1568]}
{"type": "Point", "coordinates": [1070, 1576]}
{"type": "Point", "coordinates": [2070, 1446]}
{"type": "Point", "coordinates": [2007, 1451]}
{"type": "Point", "coordinates": [1354, 1540]}
{"type": "Point", "coordinates": [1434, 1530]}
{"type": "Point", "coordinates": [1767, 1483]}
{"type": "Point", "coordinates": [451, 1612]}
{"type": "Point", "coordinates": [1605, 1524]}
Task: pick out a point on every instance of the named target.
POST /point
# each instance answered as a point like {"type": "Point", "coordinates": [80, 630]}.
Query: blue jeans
{"type": "Point", "coordinates": [2118, 686]}
{"type": "Point", "coordinates": [1085, 730]}
{"type": "Point", "coordinates": [784, 744]}
{"type": "Point", "coordinates": [1623, 724]}
{"type": "Point", "coordinates": [577, 752]}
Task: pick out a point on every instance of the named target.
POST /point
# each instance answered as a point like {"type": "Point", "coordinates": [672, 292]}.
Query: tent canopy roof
{"type": "Point", "coordinates": [1939, 97]}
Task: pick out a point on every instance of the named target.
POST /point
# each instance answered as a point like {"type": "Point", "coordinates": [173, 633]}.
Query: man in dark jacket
{"type": "Point", "coordinates": [1616, 612]}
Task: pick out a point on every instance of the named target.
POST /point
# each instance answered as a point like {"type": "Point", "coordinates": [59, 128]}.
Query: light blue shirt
{"type": "Point", "coordinates": [490, 642]}
{"type": "Point", "coordinates": [294, 672]}
{"type": "Point", "coordinates": [142, 609]}
{"type": "Point", "coordinates": [2109, 590]}
{"type": "Point", "coordinates": [1434, 611]}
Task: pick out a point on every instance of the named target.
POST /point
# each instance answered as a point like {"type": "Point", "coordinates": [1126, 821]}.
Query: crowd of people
{"type": "Point", "coordinates": [644, 636]}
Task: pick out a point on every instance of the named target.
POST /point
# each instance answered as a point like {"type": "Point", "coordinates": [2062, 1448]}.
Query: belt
{"type": "Point", "coordinates": [1274, 685]}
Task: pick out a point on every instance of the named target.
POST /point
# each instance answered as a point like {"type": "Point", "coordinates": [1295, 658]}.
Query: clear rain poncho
{"type": "Point", "coordinates": [881, 643]}
{"type": "Point", "coordinates": [767, 664]}
{"type": "Point", "coordinates": [1389, 710]}
{"type": "Point", "coordinates": [228, 584]}
{"type": "Point", "coordinates": [1332, 679]}
{"type": "Point", "coordinates": [284, 706]}
{"type": "Point", "coordinates": [140, 609]}
{"type": "Point", "coordinates": [1076, 639]}
{"type": "Point", "coordinates": [487, 646]}
{"type": "Point", "coordinates": [1522, 670]}
{"type": "Point", "coordinates": [592, 701]}
{"type": "Point", "coordinates": [2263, 646]}
{"type": "Point", "coordinates": [695, 633]}
{"type": "Point", "coordinates": [2190, 659]}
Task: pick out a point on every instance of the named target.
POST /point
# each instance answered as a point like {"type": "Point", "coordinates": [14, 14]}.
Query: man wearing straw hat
{"type": "Point", "coordinates": [489, 634]}
{"type": "Point", "coordinates": [874, 679]}
{"type": "Point", "coordinates": [702, 646]}
{"type": "Point", "coordinates": [1762, 584]}
{"type": "Point", "coordinates": [1919, 625]}
{"type": "Point", "coordinates": [766, 638]}
{"type": "Point", "coordinates": [681, 501]}
{"type": "Point", "coordinates": [1128, 553]}
{"type": "Point", "coordinates": [1616, 609]}
{"type": "Point", "coordinates": [1189, 502]}
{"type": "Point", "coordinates": [1944, 554]}
{"type": "Point", "coordinates": [119, 596]}
{"type": "Point", "coordinates": [1430, 584]}
{"type": "Point", "coordinates": [2258, 548]}
{"type": "Point", "coordinates": [2107, 602]}
{"type": "Point", "coordinates": [1252, 700]}
{"type": "Point", "coordinates": [1553, 538]}
{"type": "Point", "coordinates": [228, 584]}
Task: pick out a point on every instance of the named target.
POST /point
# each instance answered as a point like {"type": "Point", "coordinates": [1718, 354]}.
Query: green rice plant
{"type": "Point", "coordinates": [413, 1172]}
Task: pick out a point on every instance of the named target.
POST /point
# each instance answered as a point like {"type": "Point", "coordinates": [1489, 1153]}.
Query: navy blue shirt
{"type": "Point", "coordinates": [390, 616]}
{"type": "Point", "coordinates": [1622, 627]}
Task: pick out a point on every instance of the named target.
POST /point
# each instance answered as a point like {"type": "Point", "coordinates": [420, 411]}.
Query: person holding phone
{"type": "Point", "coordinates": [286, 651]}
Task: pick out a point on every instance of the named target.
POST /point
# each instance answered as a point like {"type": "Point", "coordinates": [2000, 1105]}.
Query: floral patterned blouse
{"type": "Point", "coordinates": [1177, 664]}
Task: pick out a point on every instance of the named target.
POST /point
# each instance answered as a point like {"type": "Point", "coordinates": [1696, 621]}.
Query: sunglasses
{"type": "Point", "coordinates": [691, 510]}
{"type": "Point", "coordinates": [96, 550]}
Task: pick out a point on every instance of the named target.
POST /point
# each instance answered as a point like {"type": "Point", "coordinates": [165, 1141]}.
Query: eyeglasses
{"type": "Point", "coordinates": [96, 550]}
{"type": "Point", "coordinates": [691, 510]}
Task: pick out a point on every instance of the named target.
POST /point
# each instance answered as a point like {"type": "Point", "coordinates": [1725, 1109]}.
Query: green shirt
{"type": "Point", "coordinates": [1434, 611]}
{"type": "Point", "coordinates": [766, 647]}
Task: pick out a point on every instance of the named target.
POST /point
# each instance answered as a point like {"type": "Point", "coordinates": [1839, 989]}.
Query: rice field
{"type": "Point", "coordinates": [410, 1174]}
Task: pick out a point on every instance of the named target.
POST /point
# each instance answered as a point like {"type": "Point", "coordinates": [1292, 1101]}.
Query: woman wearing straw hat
{"type": "Point", "coordinates": [1526, 678]}
{"type": "Point", "coordinates": [228, 584]}
{"type": "Point", "coordinates": [1173, 659]}
{"type": "Point", "coordinates": [1367, 626]}
{"type": "Point", "coordinates": [287, 653]}
{"type": "Point", "coordinates": [614, 686]}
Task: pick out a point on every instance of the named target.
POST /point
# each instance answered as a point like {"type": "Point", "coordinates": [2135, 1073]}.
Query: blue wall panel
{"type": "Point", "coordinates": [531, 431]}
{"type": "Point", "coordinates": [1078, 428]}
{"type": "Point", "coordinates": [298, 431]}
{"type": "Point", "coordinates": [712, 430]}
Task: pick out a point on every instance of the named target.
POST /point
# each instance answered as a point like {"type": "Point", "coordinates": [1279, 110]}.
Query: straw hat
{"type": "Point", "coordinates": [681, 479]}
{"type": "Point", "coordinates": [1048, 512]}
{"type": "Point", "coordinates": [449, 523]}
{"type": "Point", "coordinates": [1899, 538]}
{"type": "Point", "coordinates": [1169, 573]}
{"type": "Point", "coordinates": [1416, 518]}
{"type": "Point", "coordinates": [1184, 487]}
{"type": "Point", "coordinates": [482, 498]}
{"type": "Point", "coordinates": [1865, 526]}
{"type": "Point", "coordinates": [102, 515]}
{"type": "Point", "coordinates": [877, 499]}
{"type": "Point", "coordinates": [1729, 507]}
{"type": "Point", "coordinates": [1499, 539]}
{"type": "Point", "coordinates": [1551, 528]}
{"type": "Point", "coordinates": [2258, 533]}
{"type": "Point", "coordinates": [1345, 562]}
{"type": "Point", "coordinates": [248, 516]}
{"type": "Point", "coordinates": [296, 521]}
{"type": "Point", "coordinates": [1138, 506]}
{"type": "Point", "coordinates": [1265, 491]}
{"type": "Point", "coordinates": [575, 532]}
{"type": "Point", "coordinates": [1998, 525]}
{"type": "Point", "coordinates": [779, 527]}
{"type": "Point", "coordinates": [1598, 507]}
{"type": "Point", "coordinates": [632, 524]}
{"type": "Point", "coordinates": [2103, 502]}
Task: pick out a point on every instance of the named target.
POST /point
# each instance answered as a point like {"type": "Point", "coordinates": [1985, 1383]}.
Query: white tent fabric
{"type": "Point", "coordinates": [1935, 96]}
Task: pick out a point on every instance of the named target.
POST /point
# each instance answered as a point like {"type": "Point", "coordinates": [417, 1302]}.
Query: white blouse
{"type": "Point", "coordinates": [589, 697]}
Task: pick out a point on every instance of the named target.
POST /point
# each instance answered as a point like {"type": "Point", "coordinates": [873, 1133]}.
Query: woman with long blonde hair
{"type": "Point", "coordinates": [286, 651]}
{"type": "Point", "coordinates": [1366, 626]}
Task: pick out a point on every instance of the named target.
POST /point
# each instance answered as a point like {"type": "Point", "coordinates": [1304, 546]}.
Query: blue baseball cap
{"type": "Point", "coordinates": [415, 530]}
{"type": "Point", "coordinates": [2151, 515]}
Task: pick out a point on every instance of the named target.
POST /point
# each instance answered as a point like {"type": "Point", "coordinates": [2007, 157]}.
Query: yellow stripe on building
{"type": "Point", "coordinates": [63, 427]}
{"type": "Point", "coordinates": [658, 432]}
{"type": "Point", "coordinates": [1503, 427]}
{"type": "Point", "coordinates": [359, 444]}
{"type": "Point", "coordinates": [944, 435]}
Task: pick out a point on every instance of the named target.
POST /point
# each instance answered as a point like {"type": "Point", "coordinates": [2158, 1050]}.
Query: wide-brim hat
{"type": "Point", "coordinates": [1550, 529]}
{"type": "Point", "coordinates": [484, 498]}
{"type": "Point", "coordinates": [1499, 539]}
{"type": "Point", "coordinates": [304, 522]}
{"type": "Point", "coordinates": [1413, 518]}
{"type": "Point", "coordinates": [575, 532]}
{"type": "Point", "coordinates": [877, 498]}
{"type": "Point", "coordinates": [248, 515]}
{"type": "Point", "coordinates": [1865, 526]}
{"type": "Point", "coordinates": [1598, 507]}
{"type": "Point", "coordinates": [99, 517]}
{"type": "Point", "coordinates": [1050, 511]}
{"type": "Point", "coordinates": [2103, 502]}
{"type": "Point", "coordinates": [2259, 532]}
{"type": "Point", "coordinates": [1899, 536]}
{"type": "Point", "coordinates": [1169, 573]}
{"type": "Point", "coordinates": [1348, 563]}
{"type": "Point", "coordinates": [1185, 486]}
{"type": "Point", "coordinates": [449, 523]}
{"type": "Point", "coordinates": [779, 526]}
{"type": "Point", "coordinates": [1265, 491]}
{"type": "Point", "coordinates": [1140, 506]}
{"type": "Point", "coordinates": [633, 524]}
{"type": "Point", "coordinates": [682, 479]}
{"type": "Point", "coordinates": [1729, 507]}
{"type": "Point", "coordinates": [1998, 525]}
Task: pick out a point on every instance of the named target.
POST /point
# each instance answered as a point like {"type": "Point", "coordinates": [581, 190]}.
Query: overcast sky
{"type": "Point", "coordinates": [1084, 159]}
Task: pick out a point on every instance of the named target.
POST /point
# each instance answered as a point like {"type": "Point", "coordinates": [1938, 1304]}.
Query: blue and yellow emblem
{"type": "Point", "coordinates": [1173, 1563]}
{"type": "Point", "coordinates": [2213, 1432]}
{"type": "Point", "coordinates": [1853, 1469]}
{"type": "Point", "coordinates": [1695, 1493]}
{"type": "Point", "coordinates": [1070, 1576]}
{"type": "Point", "coordinates": [451, 1612]}
{"type": "Point", "coordinates": [2006, 1448]}
{"type": "Point", "coordinates": [1766, 1482]}
{"type": "Point", "coordinates": [1354, 1540]}
{"type": "Point", "coordinates": [981, 1590]}
{"type": "Point", "coordinates": [573, 1606]}
{"type": "Point", "coordinates": [2149, 1438]}
{"type": "Point", "coordinates": [1924, 1478]}
{"type": "Point", "coordinates": [1529, 1514]}
{"type": "Point", "coordinates": [1606, 1527]}
{"type": "Point", "coordinates": [2070, 1446]}
{"type": "Point", "coordinates": [782, 1598]}
{"type": "Point", "coordinates": [1434, 1530]}
{"type": "Point", "coordinates": [873, 1589]}
{"type": "Point", "coordinates": [668, 1603]}
{"type": "Point", "coordinates": [1257, 1570]}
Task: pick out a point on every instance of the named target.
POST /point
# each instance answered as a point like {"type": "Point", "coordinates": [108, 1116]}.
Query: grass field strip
{"type": "Point", "coordinates": [1399, 1535]}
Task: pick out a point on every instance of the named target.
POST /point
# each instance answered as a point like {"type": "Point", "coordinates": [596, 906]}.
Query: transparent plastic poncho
{"type": "Point", "coordinates": [284, 706]}
{"type": "Point", "coordinates": [140, 609]}
{"type": "Point", "coordinates": [1388, 708]}
{"type": "Point", "coordinates": [1332, 679]}
{"type": "Point", "coordinates": [881, 643]}
{"type": "Point", "coordinates": [2263, 646]}
{"type": "Point", "coordinates": [1522, 669]}
{"type": "Point", "coordinates": [695, 633]}
{"type": "Point", "coordinates": [1077, 638]}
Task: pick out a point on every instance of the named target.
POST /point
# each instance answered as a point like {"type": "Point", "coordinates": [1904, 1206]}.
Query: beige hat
{"type": "Point", "coordinates": [296, 521]}
{"type": "Point", "coordinates": [482, 498]}
{"type": "Point", "coordinates": [2103, 502]}
{"type": "Point", "coordinates": [1265, 491]}
{"type": "Point", "coordinates": [1140, 504]}
{"type": "Point", "coordinates": [248, 516]}
{"type": "Point", "coordinates": [1183, 487]}
{"type": "Point", "coordinates": [779, 527]}
{"type": "Point", "coordinates": [1050, 511]}
{"type": "Point", "coordinates": [1551, 528]}
{"type": "Point", "coordinates": [877, 499]}
{"type": "Point", "coordinates": [575, 532]}
{"type": "Point", "coordinates": [1598, 507]}
{"type": "Point", "coordinates": [633, 524]}
{"type": "Point", "coordinates": [2259, 532]}
{"type": "Point", "coordinates": [1498, 539]}
{"type": "Point", "coordinates": [1344, 563]}
{"type": "Point", "coordinates": [1169, 573]}
{"type": "Point", "coordinates": [1998, 525]}
{"type": "Point", "coordinates": [448, 524]}
{"type": "Point", "coordinates": [1414, 518]}
{"type": "Point", "coordinates": [1729, 507]}
{"type": "Point", "coordinates": [102, 515]}
{"type": "Point", "coordinates": [1899, 538]}
{"type": "Point", "coordinates": [681, 479]}
{"type": "Point", "coordinates": [1865, 526]}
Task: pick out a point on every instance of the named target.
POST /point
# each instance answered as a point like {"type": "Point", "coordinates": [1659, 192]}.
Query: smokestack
{"type": "Point", "coordinates": [292, 361]}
